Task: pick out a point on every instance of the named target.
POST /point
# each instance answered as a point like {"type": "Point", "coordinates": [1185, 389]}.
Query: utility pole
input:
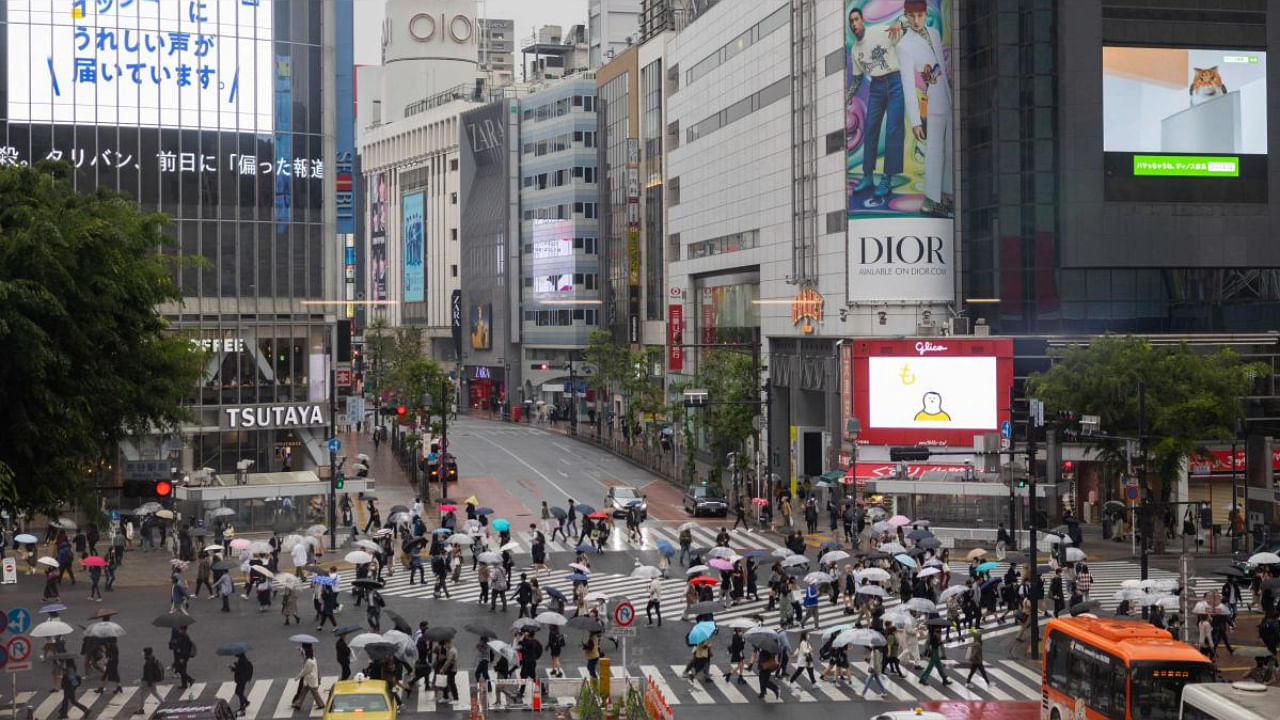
{"type": "Point", "coordinates": [573, 398]}
{"type": "Point", "coordinates": [1143, 491]}
{"type": "Point", "coordinates": [333, 439]}
{"type": "Point", "coordinates": [1034, 425]}
{"type": "Point", "coordinates": [1013, 527]}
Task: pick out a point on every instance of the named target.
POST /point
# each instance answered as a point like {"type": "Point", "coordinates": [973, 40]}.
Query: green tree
{"type": "Point", "coordinates": [1191, 397]}
{"type": "Point", "coordinates": [730, 381]}
{"type": "Point", "coordinates": [88, 359]}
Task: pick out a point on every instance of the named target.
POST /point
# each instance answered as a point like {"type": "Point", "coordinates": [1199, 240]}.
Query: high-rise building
{"type": "Point", "coordinates": [497, 51]}
{"type": "Point", "coordinates": [612, 27]}
{"type": "Point", "coordinates": [233, 136]}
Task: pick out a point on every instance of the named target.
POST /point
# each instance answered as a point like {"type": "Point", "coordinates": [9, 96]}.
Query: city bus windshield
{"type": "Point", "coordinates": [1155, 690]}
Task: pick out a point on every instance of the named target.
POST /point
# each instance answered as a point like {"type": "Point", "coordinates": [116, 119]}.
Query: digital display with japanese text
{"type": "Point", "coordinates": [200, 64]}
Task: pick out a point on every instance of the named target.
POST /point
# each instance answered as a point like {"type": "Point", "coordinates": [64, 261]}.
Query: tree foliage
{"type": "Point", "coordinates": [88, 360]}
{"type": "Point", "coordinates": [629, 373]}
{"type": "Point", "coordinates": [402, 372]}
{"type": "Point", "coordinates": [731, 391]}
{"type": "Point", "coordinates": [1191, 397]}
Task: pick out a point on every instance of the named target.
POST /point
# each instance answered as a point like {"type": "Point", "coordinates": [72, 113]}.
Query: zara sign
{"type": "Point", "coordinates": [266, 417]}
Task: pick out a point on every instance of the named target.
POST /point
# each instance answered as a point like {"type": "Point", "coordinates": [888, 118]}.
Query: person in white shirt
{"type": "Point", "coordinates": [920, 53]}
{"type": "Point", "coordinates": [417, 507]}
{"type": "Point", "coordinates": [299, 556]}
{"type": "Point", "coordinates": [655, 601]}
{"type": "Point", "coordinates": [873, 56]}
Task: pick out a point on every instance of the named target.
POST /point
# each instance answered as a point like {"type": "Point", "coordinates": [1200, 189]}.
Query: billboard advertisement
{"type": "Point", "coordinates": [553, 263]}
{"type": "Point", "coordinates": [481, 327]}
{"type": "Point", "coordinates": [486, 136]}
{"type": "Point", "coordinates": [1175, 120]}
{"type": "Point", "coordinates": [205, 65]}
{"type": "Point", "coordinates": [415, 277]}
{"type": "Point", "coordinates": [378, 196]}
{"type": "Point", "coordinates": [938, 392]}
{"type": "Point", "coordinates": [899, 137]}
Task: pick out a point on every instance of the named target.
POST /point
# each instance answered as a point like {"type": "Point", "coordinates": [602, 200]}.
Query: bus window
{"type": "Point", "coordinates": [1118, 684]}
{"type": "Point", "coordinates": [1099, 688]}
{"type": "Point", "coordinates": [1055, 661]}
{"type": "Point", "coordinates": [1156, 691]}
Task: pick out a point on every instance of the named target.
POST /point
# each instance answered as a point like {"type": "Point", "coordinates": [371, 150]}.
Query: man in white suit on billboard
{"type": "Point", "coordinates": [920, 54]}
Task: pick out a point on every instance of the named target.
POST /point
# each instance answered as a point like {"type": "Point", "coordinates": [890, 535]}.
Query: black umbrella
{"type": "Point", "coordinates": [584, 508]}
{"type": "Point", "coordinates": [828, 546]}
{"type": "Point", "coordinates": [232, 649]}
{"type": "Point", "coordinates": [400, 623]}
{"type": "Point", "coordinates": [877, 555]}
{"type": "Point", "coordinates": [199, 532]}
{"type": "Point", "coordinates": [1085, 607]}
{"type": "Point", "coordinates": [931, 543]}
{"type": "Point", "coordinates": [418, 541]}
{"type": "Point", "coordinates": [480, 630]}
{"type": "Point", "coordinates": [103, 614]}
{"type": "Point", "coordinates": [707, 607]}
{"type": "Point", "coordinates": [368, 583]}
{"type": "Point", "coordinates": [1016, 559]}
{"type": "Point", "coordinates": [172, 620]}
{"type": "Point", "coordinates": [525, 625]}
{"type": "Point", "coordinates": [380, 650]}
{"type": "Point", "coordinates": [937, 622]}
{"type": "Point", "coordinates": [226, 565]}
{"type": "Point", "coordinates": [919, 535]}
{"type": "Point", "coordinates": [586, 622]}
{"type": "Point", "coordinates": [768, 642]}
{"type": "Point", "coordinates": [398, 508]}
{"type": "Point", "coordinates": [347, 629]}
{"type": "Point", "coordinates": [438, 634]}
{"type": "Point", "coordinates": [558, 512]}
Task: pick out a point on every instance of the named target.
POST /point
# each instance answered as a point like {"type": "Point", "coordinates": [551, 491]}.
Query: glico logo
{"type": "Point", "coordinates": [924, 348]}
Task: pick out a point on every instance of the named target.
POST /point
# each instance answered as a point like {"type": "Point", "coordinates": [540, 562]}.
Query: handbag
{"type": "Point", "coordinates": [769, 664]}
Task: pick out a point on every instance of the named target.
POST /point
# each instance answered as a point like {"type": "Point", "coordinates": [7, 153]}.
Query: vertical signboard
{"type": "Point", "coordinates": [675, 335]}
{"type": "Point", "coordinates": [633, 240]}
{"type": "Point", "coordinates": [411, 208]}
{"type": "Point", "coordinates": [898, 139]}
{"type": "Point", "coordinates": [378, 195]}
{"type": "Point", "coordinates": [455, 319]}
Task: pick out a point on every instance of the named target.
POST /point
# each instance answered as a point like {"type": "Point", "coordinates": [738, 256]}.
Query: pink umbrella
{"type": "Point", "coordinates": [94, 561]}
{"type": "Point", "coordinates": [899, 520]}
{"type": "Point", "coordinates": [448, 508]}
{"type": "Point", "coordinates": [239, 544]}
{"type": "Point", "coordinates": [721, 564]}
{"type": "Point", "coordinates": [759, 501]}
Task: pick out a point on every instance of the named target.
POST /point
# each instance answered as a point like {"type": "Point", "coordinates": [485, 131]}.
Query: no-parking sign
{"type": "Point", "coordinates": [624, 613]}
{"type": "Point", "coordinates": [19, 653]}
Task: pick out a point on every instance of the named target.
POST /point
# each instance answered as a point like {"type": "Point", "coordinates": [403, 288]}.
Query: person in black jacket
{"type": "Point", "coordinates": [183, 650]}
{"type": "Point", "coordinates": [242, 673]}
{"type": "Point", "coordinates": [152, 674]}
{"type": "Point", "coordinates": [524, 595]}
{"type": "Point", "coordinates": [344, 657]}
{"type": "Point", "coordinates": [1056, 592]}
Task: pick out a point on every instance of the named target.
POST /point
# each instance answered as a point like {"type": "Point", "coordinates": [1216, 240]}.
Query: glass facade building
{"type": "Point", "coordinates": [212, 113]}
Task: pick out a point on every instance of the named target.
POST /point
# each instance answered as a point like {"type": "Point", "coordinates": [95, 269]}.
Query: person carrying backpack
{"type": "Point", "coordinates": [497, 588]}
{"type": "Point", "coordinates": [152, 675]}
{"type": "Point", "coordinates": [686, 543]}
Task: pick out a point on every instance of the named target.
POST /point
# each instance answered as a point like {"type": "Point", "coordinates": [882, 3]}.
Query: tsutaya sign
{"type": "Point", "coordinates": [264, 417]}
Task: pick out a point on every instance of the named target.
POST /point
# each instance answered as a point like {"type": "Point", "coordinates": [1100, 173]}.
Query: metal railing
{"type": "Point", "coordinates": [466, 91]}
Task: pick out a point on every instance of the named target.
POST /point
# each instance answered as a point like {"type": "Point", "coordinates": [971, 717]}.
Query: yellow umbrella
{"type": "Point", "coordinates": [976, 553]}
{"type": "Point", "coordinates": [471, 501]}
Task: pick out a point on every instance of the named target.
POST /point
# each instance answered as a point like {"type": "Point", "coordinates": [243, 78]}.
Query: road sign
{"type": "Point", "coordinates": [1006, 443]}
{"type": "Point", "coordinates": [10, 571]}
{"type": "Point", "coordinates": [1006, 429]}
{"type": "Point", "coordinates": [615, 631]}
{"type": "Point", "coordinates": [344, 377]}
{"type": "Point", "coordinates": [624, 613]}
{"type": "Point", "coordinates": [4, 657]}
{"type": "Point", "coordinates": [19, 620]}
{"type": "Point", "coordinates": [334, 445]}
{"type": "Point", "coordinates": [19, 653]}
{"type": "Point", "coordinates": [1131, 491]}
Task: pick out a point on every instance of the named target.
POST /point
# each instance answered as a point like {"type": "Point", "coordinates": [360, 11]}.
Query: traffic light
{"type": "Point", "coordinates": [538, 366]}
{"type": "Point", "coordinates": [1068, 470]}
{"type": "Point", "coordinates": [912, 453]}
{"type": "Point", "coordinates": [400, 411]}
{"type": "Point", "coordinates": [1022, 482]}
{"type": "Point", "coordinates": [339, 481]}
{"type": "Point", "coordinates": [163, 488]}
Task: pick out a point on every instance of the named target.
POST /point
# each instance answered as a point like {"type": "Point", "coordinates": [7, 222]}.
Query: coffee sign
{"type": "Point", "coordinates": [267, 417]}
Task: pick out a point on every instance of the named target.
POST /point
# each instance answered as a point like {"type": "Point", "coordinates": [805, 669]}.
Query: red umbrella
{"type": "Point", "coordinates": [759, 501]}
{"type": "Point", "coordinates": [704, 580]}
{"type": "Point", "coordinates": [94, 561]}
{"type": "Point", "coordinates": [448, 508]}
{"type": "Point", "coordinates": [597, 515]}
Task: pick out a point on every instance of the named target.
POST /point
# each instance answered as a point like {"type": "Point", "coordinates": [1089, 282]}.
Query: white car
{"type": "Point", "coordinates": [621, 498]}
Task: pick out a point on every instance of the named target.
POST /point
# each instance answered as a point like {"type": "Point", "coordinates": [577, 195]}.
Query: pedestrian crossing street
{"type": "Point", "coordinates": [1010, 680]}
{"type": "Point", "coordinates": [1107, 576]}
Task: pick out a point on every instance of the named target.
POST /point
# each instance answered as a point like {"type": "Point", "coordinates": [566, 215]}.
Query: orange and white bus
{"type": "Point", "coordinates": [1096, 668]}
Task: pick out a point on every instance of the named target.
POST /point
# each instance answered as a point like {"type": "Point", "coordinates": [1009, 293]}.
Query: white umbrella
{"type": "Point", "coordinates": [873, 574]}
{"type": "Point", "coordinates": [510, 547]}
{"type": "Point", "coordinates": [363, 639]}
{"type": "Point", "coordinates": [795, 561]}
{"type": "Point", "coordinates": [1264, 558]}
{"type": "Point", "coordinates": [221, 512]}
{"type": "Point", "coordinates": [289, 542]}
{"type": "Point", "coordinates": [1055, 539]}
{"type": "Point", "coordinates": [166, 514]}
{"type": "Point", "coordinates": [833, 557]}
{"type": "Point", "coordinates": [690, 526]}
{"type": "Point", "coordinates": [900, 619]}
{"type": "Point", "coordinates": [369, 545]}
{"type": "Point", "coordinates": [358, 557]}
{"type": "Point", "coordinates": [739, 623]}
{"type": "Point", "coordinates": [951, 592]}
{"type": "Point", "coordinates": [503, 649]}
{"type": "Point", "coordinates": [872, 590]}
{"type": "Point", "coordinates": [51, 628]}
{"type": "Point", "coordinates": [892, 548]}
{"type": "Point", "coordinates": [551, 618]}
{"type": "Point", "coordinates": [782, 553]}
{"type": "Point", "coordinates": [212, 548]}
{"type": "Point", "coordinates": [1131, 583]}
{"type": "Point", "coordinates": [46, 560]}
{"type": "Point", "coordinates": [1170, 603]}
{"type": "Point", "coordinates": [880, 527]}
{"type": "Point", "coordinates": [381, 532]}
{"type": "Point", "coordinates": [104, 629]}
{"type": "Point", "coordinates": [646, 572]}
{"type": "Point", "coordinates": [150, 507]}
{"type": "Point", "coordinates": [1076, 555]}
{"type": "Point", "coordinates": [719, 551]}
{"type": "Point", "coordinates": [859, 636]}
{"type": "Point", "coordinates": [818, 578]}
{"type": "Point", "coordinates": [317, 530]}
{"type": "Point", "coordinates": [976, 553]}
{"type": "Point", "coordinates": [690, 572]}
{"type": "Point", "coordinates": [593, 597]}
{"type": "Point", "coordinates": [922, 605]}
{"type": "Point", "coordinates": [580, 568]}
{"type": "Point", "coordinates": [928, 572]}
{"type": "Point", "coordinates": [460, 539]}
{"type": "Point", "coordinates": [262, 570]}
{"type": "Point", "coordinates": [64, 523]}
{"type": "Point", "coordinates": [259, 547]}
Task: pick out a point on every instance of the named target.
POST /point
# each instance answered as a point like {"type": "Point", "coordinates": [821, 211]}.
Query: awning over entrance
{"type": "Point", "coordinates": [875, 470]}
{"type": "Point", "coordinates": [269, 485]}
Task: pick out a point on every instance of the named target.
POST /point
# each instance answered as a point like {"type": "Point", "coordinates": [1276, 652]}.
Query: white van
{"type": "Point", "coordinates": [1242, 700]}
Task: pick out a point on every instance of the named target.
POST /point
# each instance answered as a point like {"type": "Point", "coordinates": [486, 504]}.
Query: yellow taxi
{"type": "Point", "coordinates": [361, 699]}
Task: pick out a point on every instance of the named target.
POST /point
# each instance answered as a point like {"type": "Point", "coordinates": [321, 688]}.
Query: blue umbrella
{"type": "Point", "coordinates": [666, 548]}
{"type": "Point", "coordinates": [701, 631]}
{"type": "Point", "coordinates": [905, 559]}
{"type": "Point", "coordinates": [755, 554]}
{"type": "Point", "coordinates": [555, 593]}
{"type": "Point", "coordinates": [442, 531]}
{"type": "Point", "coordinates": [987, 567]}
{"type": "Point", "coordinates": [634, 503]}
{"type": "Point", "coordinates": [584, 508]}
{"type": "Point", "coordinates": [53, 608]}
{"type": "Point", "coordinates": [987, 585]}
{"type": "Point", "coordinates": [578, 577]}
{"type": "Point", "coordinates": [484, 511]}
{"type": "Point", "coordinates": [324, 580]}
{"type": "Point", "coordinates": [585, 548]}
{"type": "Point", "coordinates": [501, 525]}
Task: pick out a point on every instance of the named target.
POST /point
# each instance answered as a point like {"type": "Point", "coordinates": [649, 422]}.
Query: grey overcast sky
{"type": "Point", "coordinates": [528, 14]}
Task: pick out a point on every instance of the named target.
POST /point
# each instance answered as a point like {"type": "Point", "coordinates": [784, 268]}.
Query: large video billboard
{"type": "Point", "coordinates": [939, 392]}
{"type": "Point", "coordinates": [378, 196]}
{"type": "Point", "coordinates": [899, 137]}
{"type": "Point", "coordinates": [204, 64]}
{"type": "Point", "coordinates": [411, 209]}
{"type": "Point", "coordinates": [1175, 119]}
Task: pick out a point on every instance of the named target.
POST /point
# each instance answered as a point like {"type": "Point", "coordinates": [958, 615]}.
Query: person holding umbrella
{"type": "Point", "coordinates": [555, 646]}
{"type": "Point", "coordinates": [263, 590]}
{"type": "Point", "coordinates": [344, 653]}
{"type": "Point", "coordinates": [767, 664]}
{"type": "Point", "coordinates": [152, 674]}
{"type": "Point", "coordinates": [95, 576]}
{"type": "Point", "coordinates": [241, 673]}
{"type": "Point", "coordinates": [524, 596]}
{"type": "Point", "coordinates": [591, 651]}
{"type": "Point", "coordinates": [449, 667]}
{"type": "Point", "coordinates": [372, 612]}
{"type": "Point", "coordinates": [183, 650]}
{"type": "Point", "coordinates": [308, 679]}
{"type": "Point", "coordinates": [289, 603]}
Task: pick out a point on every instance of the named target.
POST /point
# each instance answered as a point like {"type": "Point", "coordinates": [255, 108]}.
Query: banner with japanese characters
{"type": "Point", "coordinates": [153, 63]}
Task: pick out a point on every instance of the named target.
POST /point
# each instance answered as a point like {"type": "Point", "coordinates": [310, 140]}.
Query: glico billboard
{"type": "Point", "coordinates": [937, 391]}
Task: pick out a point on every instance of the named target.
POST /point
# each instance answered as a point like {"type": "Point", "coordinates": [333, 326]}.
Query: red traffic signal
{"type": "Point", "coordinates": [1068, 466]}
{"type": "Point", "coordinates": [400, 411]}
{"type": "Point", "coordinates": [163, 488]}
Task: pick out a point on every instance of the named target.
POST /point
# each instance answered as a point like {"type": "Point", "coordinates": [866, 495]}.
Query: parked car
{"type": "Point", "coordinates": [623, 497]}
{"type": "Point", "coordinates": [705, 500]}
{"type": "Point", "coordinates": [1241, 559]}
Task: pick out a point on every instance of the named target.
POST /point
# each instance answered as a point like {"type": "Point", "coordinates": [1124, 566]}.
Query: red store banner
{"type": "Point", "coordinates": [1219, 462]}
{"type": "Point", "coordinates": [675, 337]}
